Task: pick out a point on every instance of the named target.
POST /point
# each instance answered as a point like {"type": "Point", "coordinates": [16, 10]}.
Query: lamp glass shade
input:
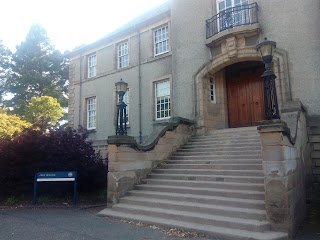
{"type": "Point", "coordinates": [121, 86]}
{"type": "Point", "coordinates": [266, 48]}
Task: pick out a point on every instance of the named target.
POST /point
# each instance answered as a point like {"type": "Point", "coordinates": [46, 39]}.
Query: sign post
{"type": "Point", "coordinates": [55, 177]}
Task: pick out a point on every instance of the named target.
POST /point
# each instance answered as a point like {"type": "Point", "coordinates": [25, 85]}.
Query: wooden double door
{"type": "Point", "coordinates": [245, 98]}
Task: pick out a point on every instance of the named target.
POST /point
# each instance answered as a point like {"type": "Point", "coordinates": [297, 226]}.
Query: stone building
{"type": "Point", "coordinates": [197, 61]}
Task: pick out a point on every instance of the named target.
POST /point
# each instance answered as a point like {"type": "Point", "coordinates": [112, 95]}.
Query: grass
{"type": "Point", "coordinates": [11, 200]}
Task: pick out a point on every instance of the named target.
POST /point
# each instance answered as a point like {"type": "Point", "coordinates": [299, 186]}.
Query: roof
{"type": "Point", "coordinates": [162, 9]}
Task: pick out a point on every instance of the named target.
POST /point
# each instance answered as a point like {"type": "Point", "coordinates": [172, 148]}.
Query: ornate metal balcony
{"type": "Point", "coordinates": [231, 18]}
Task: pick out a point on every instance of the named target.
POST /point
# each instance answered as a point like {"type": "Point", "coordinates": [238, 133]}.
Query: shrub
{"type": "Point", "coordinates": [60, 150]}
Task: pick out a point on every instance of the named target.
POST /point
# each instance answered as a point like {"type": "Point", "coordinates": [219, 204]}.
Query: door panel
{"type": "Point", "coordinates": [233, 102]}
{"type": "Point", "coordinates": [245, 99]}
{"type": "Point", "coordinates": [244, 102]}
{"type": "Point", "coordinates": [257, 108]}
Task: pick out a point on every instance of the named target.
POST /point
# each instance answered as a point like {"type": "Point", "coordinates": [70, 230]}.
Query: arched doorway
{"type": "Point", "coordinates": [244, 93]}
{"type": "Point", "coordinates": [213, 116]}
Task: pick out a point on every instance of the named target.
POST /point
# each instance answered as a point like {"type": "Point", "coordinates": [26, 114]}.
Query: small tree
{"type": "Point", "coordinates": [11, 125]}
{"type": "Point", "coordinates": [43, 112]}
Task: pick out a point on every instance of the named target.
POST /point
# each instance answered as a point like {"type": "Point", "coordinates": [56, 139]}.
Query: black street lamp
{"type": "Point", "coordinates": [271, 108]}
{"type": "Point", "coordinates": [121, 88]}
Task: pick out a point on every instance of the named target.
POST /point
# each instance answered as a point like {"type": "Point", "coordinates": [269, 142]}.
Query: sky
{"type": "Point", "coordinates": [69, 23]}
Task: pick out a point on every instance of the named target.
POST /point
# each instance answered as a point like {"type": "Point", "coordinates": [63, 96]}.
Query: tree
{"type": "Point", "coordinates": [38, 70]}
{"type": "Point", "coordinates": [43, 112]}
{"type": "Point", "coordinates": [11, 125]}
{"type": "Point", "coordinates": [4, 67]}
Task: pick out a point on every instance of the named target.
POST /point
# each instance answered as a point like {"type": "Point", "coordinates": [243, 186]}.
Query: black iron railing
{"type": "Point", "coordinates": [232, 17]}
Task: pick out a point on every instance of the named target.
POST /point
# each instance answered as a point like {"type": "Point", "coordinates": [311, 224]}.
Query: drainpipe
{"type": "Point", "coordinates": [139, 76]}
{"type": "Point", "coordinates": [80, 90]}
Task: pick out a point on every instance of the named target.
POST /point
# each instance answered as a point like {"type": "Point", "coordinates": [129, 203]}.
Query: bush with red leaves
{"type": "Point", "coordinates": [59, 150]}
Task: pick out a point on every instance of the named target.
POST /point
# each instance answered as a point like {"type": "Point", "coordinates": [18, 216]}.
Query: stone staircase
{"type": "Point", "coordinates": [314, 139]}
{"type": "Point", "coordinates": [213, 185]}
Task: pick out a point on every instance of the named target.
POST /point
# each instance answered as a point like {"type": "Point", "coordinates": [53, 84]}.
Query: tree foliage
{"type": "Point", "coordinates": [11, 125]}
{"type": "Point", "coordinates": [38, 69]}
{"type": "Point", "coordinates": [43, 112]}
{"type": "Point", "coordinates": [60, 150]}
{"type": "Point", "coordinates": [4, 67]}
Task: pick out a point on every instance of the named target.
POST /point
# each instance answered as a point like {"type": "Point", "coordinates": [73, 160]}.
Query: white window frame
{"type": "Point", "coordinates": [91, 104]}
{"type": "Point", "coordinates": [161, 112]}
{"type": "Point", "coordinates": [161, 40]}
{"type": "Point", "coordinates": [213, 96]}
{"type": "Point", "coordinates": [233, 4]}
{"type": "Point", "coordinates": [123, 55]}
{"type": "Point", "coordinates": [126, 101]}
{"type": "Point", "coordinates": [92, 66]}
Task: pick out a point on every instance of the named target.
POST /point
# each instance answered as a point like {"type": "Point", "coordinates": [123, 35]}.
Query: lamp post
{"type": "Point", "coordinates": [121, 88]}
{"type": "Point", "coordinates": [271, 108]}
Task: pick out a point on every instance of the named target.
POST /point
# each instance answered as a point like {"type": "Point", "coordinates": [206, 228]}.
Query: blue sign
{"type": "Point", "coordinates": [70, 176]}
{"type": "Point", "coordinates": [56, 176]}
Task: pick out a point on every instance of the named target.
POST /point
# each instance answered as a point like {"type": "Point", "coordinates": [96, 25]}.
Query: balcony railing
{"type": "Point", "coordinates": [232, 17]}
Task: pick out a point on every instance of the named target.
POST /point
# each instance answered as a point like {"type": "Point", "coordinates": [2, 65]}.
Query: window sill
{"type": "Point", "coordinates": [92, 130]}
{"type": "Point", "coordinates": [158, 57]}
{"type": "Point", "coordinates": [160, 54]}
{"type": "Point", "coordinates": [123, 68]}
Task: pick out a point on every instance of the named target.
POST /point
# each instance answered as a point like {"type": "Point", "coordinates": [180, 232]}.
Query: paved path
{"type": "Point", "coordinates": [79, 224]}
{"type": "Point", "coordinates": [67, 224]}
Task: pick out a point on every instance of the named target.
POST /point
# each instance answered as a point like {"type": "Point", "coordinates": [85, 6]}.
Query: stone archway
{"type": "Point", "coordinates": [232, 51]}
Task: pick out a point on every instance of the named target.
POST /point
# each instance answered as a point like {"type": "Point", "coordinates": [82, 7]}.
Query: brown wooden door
{"type": "Point", "coordinates": [245, 99]}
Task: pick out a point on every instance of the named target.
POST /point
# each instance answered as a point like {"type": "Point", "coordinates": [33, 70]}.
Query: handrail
{"type": "Point", "coordinates": [154, 137]}
{"type": "Point", "coordinates": [232, 17]}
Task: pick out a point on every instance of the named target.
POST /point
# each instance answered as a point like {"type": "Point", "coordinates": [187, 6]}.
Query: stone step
{"type": "Point", "coordinates": [199, 151]}
{"type": "Point", "coordinates": [218, 172]}
{"type": "Point", "coordinates": [216, 232]}
{"type": "Point", "coordinates": [213, 156]}
{"type": "Point", "coordinates": [231, 134]}
{"type": "Point", "coordinates": [314, 130]}
{"type": "Point", "coordinates": [314, 138]}
{"type": "Point", "coordinates": [313, 121]}
{"type": "Point", "coordinates": [213, 200]}
{"type": "Point", "coordinates": [235, 130]}
{"type": "Point", "coordinates": [244, 194]}
{"type": "Point", "coordinates": [225, 139]}
{"type": "Point", "coordinates": [316, 146]}
{"type": "Point", "coordinates": [220, 210]}
{"type": "Point", "coordinates": [223, 161]}
{"type": "Point", "coordinates": [213, 166]}
{"type": "Point", "coordinates": [227, 147]}
{"type": "Point", "coordinates": [216, 220]}
{"type": "Point", "coordinates": [224, 143]}
{"type": "Point", "coordinates": [215, 178]}
{"type": "Point", "coordinates": [206, 184]}
{"type": "Point", "coordinates": [315, 154]}
{"type": "Point", "coordinates": [228, 136]}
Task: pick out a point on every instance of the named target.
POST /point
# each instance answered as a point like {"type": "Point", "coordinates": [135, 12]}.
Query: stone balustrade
{"type": "Point", "coordinates": [285, 153]}
{"type": "Point", "coordinates": [130, 162]}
